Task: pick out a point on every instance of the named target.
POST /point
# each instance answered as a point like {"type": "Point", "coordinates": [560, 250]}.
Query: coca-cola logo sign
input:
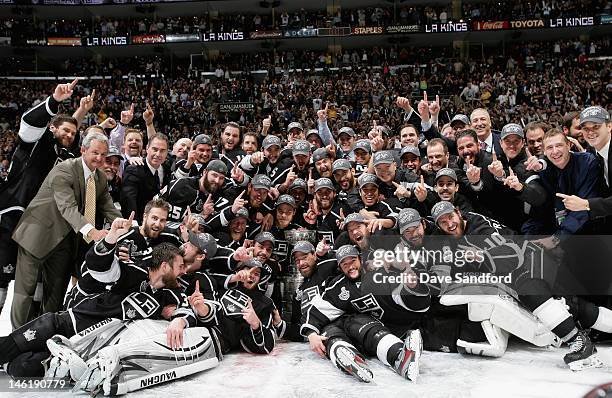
{"type": "Point", "coordinates": [491, 25]}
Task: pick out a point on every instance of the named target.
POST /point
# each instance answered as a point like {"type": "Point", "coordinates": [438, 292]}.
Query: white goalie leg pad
{"type": "Point", "coordinates": [495, 346]}
{"type": "Point", "coordinates": [64, 361]}
{"type": "Point", "coordinates": [506, 313]}
{"type": "Point", "coordinates": [126, 367]}
{"type": "Point", "coordinates": [604, 320]}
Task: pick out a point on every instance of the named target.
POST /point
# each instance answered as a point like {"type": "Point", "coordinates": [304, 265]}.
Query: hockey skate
{"type": "Point", "coordinates": [348, 360]}
{"type": "Point", "coordinates": [64, 361]}
{"type": "Point", "coordinates": [583, 354]}
{"type": "Point", "coordinates": [407, 363]}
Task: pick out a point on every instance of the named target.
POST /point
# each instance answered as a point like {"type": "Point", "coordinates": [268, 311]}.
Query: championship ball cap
{"type": "Point", "coordinates": [410, 149]}
{"type": "Point", "coordinates": [303, 246]}
{"type": "Point", "coordinates": [217, 165]}
{"type": "Point", "coordinates": [320, 153]}
{"type": "Point", "coordinates": [295, 125]}
{"type": "Point", "coordinates": [346, 130]}
{"type": "Point", "coordinates": [242, 213]}
{"type": "Point", "coordinates": [512, 129]}
{"type": "Point", "coordinates": [265, 237]}
{"type": "Point", "coordinates": [271, 140]}
{"type": "Point", "coordinates": [446, 172]}
{"type": "Point", "coordinates": [286, 199]}
{"type": "Point", "coordinates": [311, 132]}
{"type": "Point", "coordinates": [346, 251]}
{"type": "Point", "coordinates": [460, 118]}
{"type": "Point", "coordinates": [353, 217]}
{"type": "Point", "coordinates": [594, 114]}
{"type": "Point", "coordinates": [298, 183]}
{"type": "Point", "coordinates": [408, 218]}
{"type": "Point", "coordinates": [440, 209]}
{"type": "Point", "coordinates": [261, 181]}
{"type": "Point", "coordinates": [301, 147]}
{"type": "Point", "coordinates": [341, 164]}
{"type": "Point", "coordinates": [363, 144]}
{"type": "Point", "coordinates": [205, 242]}
{"type": "Point", "coordinates": [201, 139]}
{"type": "Point", "coordinates": [367, 178]}
{"type": "Point", "coordinates": [324, 183]}
{"type": "Point", "coordinates": [383, 157]}
{"type": "Point", "coordinates": [255, 263]}
{"type": "Point", "coordinates": [113, 151]}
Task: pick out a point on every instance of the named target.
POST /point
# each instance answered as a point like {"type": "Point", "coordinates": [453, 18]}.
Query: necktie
{"type": "Point", "coordinates": [157, 182]}
{"type": "Point", "coordinates": [90, 201]}
{"type": "Point", "coordinates": [483, 145]}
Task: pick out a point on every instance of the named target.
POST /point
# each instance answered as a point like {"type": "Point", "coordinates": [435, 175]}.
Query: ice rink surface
{"type": "Point", "coordinates": [292, 370]}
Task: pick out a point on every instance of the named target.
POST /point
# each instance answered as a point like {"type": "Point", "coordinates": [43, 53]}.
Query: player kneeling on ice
{"type": "Point", "coordinates": [344, 304]}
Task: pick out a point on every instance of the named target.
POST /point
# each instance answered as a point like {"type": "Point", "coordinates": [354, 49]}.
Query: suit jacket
{"type": "Point", "coordinates": [58, 208]}
{"type": "Point", "coordinates": [139, 187]}
{"type": "Point", "coordinates": [602, 206]}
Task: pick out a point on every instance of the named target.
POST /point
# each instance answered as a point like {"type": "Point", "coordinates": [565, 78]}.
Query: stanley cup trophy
{"type": "Point", "coordinates": [292, 278]}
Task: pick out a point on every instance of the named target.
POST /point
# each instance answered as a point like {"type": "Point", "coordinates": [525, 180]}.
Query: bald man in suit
{"type": "Point", "coordinates": [62, 215]}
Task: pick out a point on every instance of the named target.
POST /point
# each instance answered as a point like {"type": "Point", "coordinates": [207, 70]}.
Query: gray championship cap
{"type": "Point", "coordinates": [594, 114]}
{"type": "Point", "coordinates": [201, 139]}
{"type": "Point", "coordinates": [261, 181]}
{"type": "Point", "coordinates": [346, 251]}
{"type": "Point", "coordinates": [446, 172]}
{"type": "Point", "coordinates": [301, 147]}
{"type": "Point", "coordinates": [311, 132]}
{"type": "Point", "coordinates": [271, 140]}
{"type": "Point", "coordinates": [265, 237]}
{"type": "Point", "coordinates": [341, 164]}
{"type": "Point", "coordinates": [113, 151]}
{"type": "Point", "coordinates": [408, 218]}
{"type": "Point", "coordinates": [512, 129]}
{"type": "Point", "coordinates": [303, 246]}
{"type": "Point", "coordinates": [383, 157]}
{"type": "Point", "coordinates": [346, 130]}
{"type": "Point", "coordinates": [440, 209]}
{"type": "Point", "coordinates": [205, 242]}
{"type": "Point", "coordinates": [367, 178]}
{"type": "Point", "coordinates": [286, 199]}
{"type": "Point", "coordinates": [364, 144]}
{"type": "Point", "coordinates": [353, 217]}
{"type": "Point", "coordinates": [324, 183]}
{"type": "Point", "coordinates": [410, 149]}
{"type": "Point", "coordinates": [242, 213]}
{"type": "Point", "coordinates": [320, 153]}
{"type": "Point", "coordinates": [295, 125]}
{"type": "Point", "coordinates": [217, 165]}
{"type": "Point", "coordinates": [460, 118]}
{"type": "Point", "coordinates": [298, 183]}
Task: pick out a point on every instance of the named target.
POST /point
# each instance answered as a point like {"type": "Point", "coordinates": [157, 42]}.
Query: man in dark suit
{"type": "Point", "coordinates": [63, 211]}
{"type": "Point", "coordinates": [488, 139]}
{"type": "Point", "coordinates": [596, 129]}
{"type": "Point", "coordinates": [142, 183]}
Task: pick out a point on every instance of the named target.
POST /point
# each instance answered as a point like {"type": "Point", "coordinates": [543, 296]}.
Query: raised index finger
{"type": "Point", "coordinates": [425, 97]}
{"type": "Point", "coordinates": [563, 196]}
{"type": "Point", "coordinates": [527, 152]}
{"type": "Point", "coordinates": [197, 286]}
{"type": "Point", "coordinates": [438, 100]}
{"type": "Point", "coordinates": [132, 108]}
{"type": "Point", "coordinates": [93, 94]}
{"type": "Point", "coordinates": [74, 83]}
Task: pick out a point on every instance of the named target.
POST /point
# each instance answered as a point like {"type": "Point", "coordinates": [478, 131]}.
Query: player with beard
{"type": "Point", "coordinates": [255, 199]}
{"type": "Point", "coordinates": [343, 296]}
{"type": "Point", "coordinates": [230, 151]}
{"type": "Point", "coordinates": [446, 187]}
{"type": "Point", "coordinates": [344, 176]}
{"type": "Point", "coordinates": [247, 322]}
{"type": "Point", "coordinates": [322, 160]}
{"type": "Point", "coordinates": [197, 159]}
{"type": "Point", "coordinates": [201, 195]}
{"type": "Point", "coordinates": [472, 231]}
{"type": "Point", "coordinates": [234, 236]}
{"type": "Point", "coordinates": [250, 145]}
{"type": "Point", "coordinates": [112, 165]}
{"type": "Point", "coordinates": [381, 214]}
{"type": "Point", "coordinates": [363, 153]}
{"type": "Point", "coordinates": [301, 159]}
{"type": "Point", "coordinates": [140, 291]}
{"type": "Point", "coordinates": [269, 162]}
{"type": "Point", "coordinates": [299, 190]}
{"type": "Point", "coordinates": [325, 212]}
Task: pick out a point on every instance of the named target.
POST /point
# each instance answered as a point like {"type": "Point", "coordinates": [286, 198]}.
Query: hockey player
{"type": "Point", "coordinates": [343, 296]}
{"type": "Point", "coordinates": [200, 154]}
{"type": "Point", "coordinates": [234, 235]}
{"type": "Point", "coordinates": [270, 163]}
{"type": "Point", "coordinates": [344, 176]}
{"type": "Point", "coordinates": [326, 213]}
{"type": "Point", "coordinates": [230, 151]}
{"type": "Point", "coordinates": [505, 256]}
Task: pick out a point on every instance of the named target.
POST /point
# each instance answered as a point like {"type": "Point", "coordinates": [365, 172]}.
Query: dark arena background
{"type": "Point", "coordinates": [210, 197]}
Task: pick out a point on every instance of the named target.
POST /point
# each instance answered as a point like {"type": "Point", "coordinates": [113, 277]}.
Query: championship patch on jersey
{"type": "Point", "coordinates": [139, 305]}
{"type": "Point", "coordinates": [234, 302]}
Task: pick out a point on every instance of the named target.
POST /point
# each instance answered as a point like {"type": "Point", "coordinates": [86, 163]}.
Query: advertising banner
{"type": "Point", "coordinates": [446, 27]}
{"type": "Point", "coordinates": [368, 30]}
{"type": "Point", "coordinates": [182, 38]}
{"type": "Point", "coordinates": [572, 22]}
{"type": "Point", "coordinates": [228, 107]}
{"type": "Point", "coordinates": [226, 36]}
{"type": "Point", "coordinates": [148, 39]}
{"type": "Point", "coordinates": [106, 41]}
{"type": "Point", "coordinates": [403, 29]}
{"type": "Point", "coordinates": [490, 25]}
{"type": "Point", "coordinates": [64, 41]}
{"type": "Point", "coordinates": [306, 32]}
{"type": "Point", "coordinates": [266, 34]}
{"type": "Point", "coordinates": [339, 31]}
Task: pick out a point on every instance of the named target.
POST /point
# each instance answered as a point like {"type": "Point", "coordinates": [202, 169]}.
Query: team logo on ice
{"type": "Point", "coordinates": [29, 334]}
{"type": "Point", "coordinates": [344, 294]}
